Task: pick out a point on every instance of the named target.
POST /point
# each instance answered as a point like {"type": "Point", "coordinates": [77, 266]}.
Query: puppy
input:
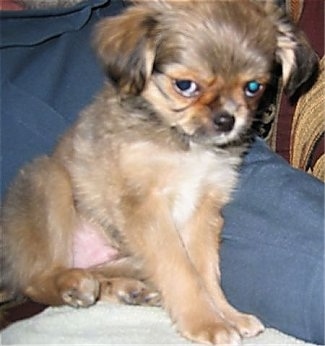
{"type": "Point", "coordinates": [128, 206]}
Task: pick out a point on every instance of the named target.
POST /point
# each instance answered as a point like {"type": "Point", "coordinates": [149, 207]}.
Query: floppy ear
{"type": "Point", "coordinates": [298, 60]}
{"type": "Point", "coordinates": [305, 70]}
{"type": "Point", "coordinates": [126, 45]}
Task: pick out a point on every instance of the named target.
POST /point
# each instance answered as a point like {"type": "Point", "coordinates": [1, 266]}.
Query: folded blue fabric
{"type": "Point", "coordinates": [48, 74]}
{"type": "Point", "coordinates": [272, 256]}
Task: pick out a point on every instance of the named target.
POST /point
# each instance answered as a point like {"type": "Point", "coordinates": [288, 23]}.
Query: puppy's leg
{"type": "Point", "coordinates": [38, 221]}
{"type": "Point", "coordinates": [152, 237]}
{"type": "Point", "coordinates": [202, 243]}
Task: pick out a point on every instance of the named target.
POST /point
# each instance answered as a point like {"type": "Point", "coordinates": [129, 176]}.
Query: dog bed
{"type": "Point", "coordinates": [107, 323]}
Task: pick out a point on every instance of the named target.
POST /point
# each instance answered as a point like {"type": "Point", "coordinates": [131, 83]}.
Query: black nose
{"type": "Point", "coordinates": [224, 122]}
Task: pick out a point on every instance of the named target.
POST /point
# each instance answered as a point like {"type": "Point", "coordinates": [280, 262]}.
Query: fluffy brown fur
{"type": "Point", "coordinates": [149, 165]}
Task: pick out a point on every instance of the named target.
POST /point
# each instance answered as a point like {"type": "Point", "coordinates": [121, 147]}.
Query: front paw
{"type": "Point", "coordinates": [247, 325]}
{"type": "Point", "coordinates": [215, 332]}
{"type": "Point", "coordinates": [78, 288]}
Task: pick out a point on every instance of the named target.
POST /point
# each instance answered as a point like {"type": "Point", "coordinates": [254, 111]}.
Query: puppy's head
{"type": "Point", "coordinates": [202, 65]}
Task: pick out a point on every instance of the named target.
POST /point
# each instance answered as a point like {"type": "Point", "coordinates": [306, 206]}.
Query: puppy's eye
{"type": "Point", "coordinates": [253, 88]}
{"type": "Point", "coordinates": [186, 88]}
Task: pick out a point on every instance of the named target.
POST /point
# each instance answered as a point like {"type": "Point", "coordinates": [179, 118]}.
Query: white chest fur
{"type": "Point", "coordinates": [181, 178]}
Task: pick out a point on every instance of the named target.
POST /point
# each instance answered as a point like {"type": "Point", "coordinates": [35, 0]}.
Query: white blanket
{"type": "Point", "coordinates": [107, 323]}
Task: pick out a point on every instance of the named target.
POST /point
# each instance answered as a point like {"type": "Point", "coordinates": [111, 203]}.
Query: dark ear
{"type": "Point", "coordinates": [298, 60]}
{"type": "Point", "coordinates": [305, 70]}
{"type": "Point", "coordinates": [126, 45]}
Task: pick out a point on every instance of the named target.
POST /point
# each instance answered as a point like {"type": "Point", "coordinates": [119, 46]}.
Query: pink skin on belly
{"type": "Point", "coordinates": [91, 247]}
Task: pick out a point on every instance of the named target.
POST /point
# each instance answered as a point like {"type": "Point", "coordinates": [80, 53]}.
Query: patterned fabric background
{"type": "Point", "coordinates": [296, 131]}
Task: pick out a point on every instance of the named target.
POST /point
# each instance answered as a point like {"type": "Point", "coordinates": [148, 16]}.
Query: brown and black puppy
{"type": "Point", "coordinates": [129, 204]}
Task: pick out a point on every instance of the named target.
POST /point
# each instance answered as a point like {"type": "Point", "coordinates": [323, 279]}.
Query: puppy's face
{"type": "Point", "coordinates": [202, 65]}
